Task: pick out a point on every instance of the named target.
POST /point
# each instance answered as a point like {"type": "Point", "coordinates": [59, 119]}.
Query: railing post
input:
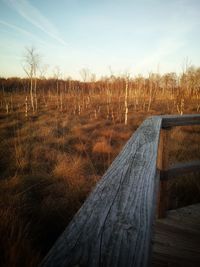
{"type": "Point", "coordinates": [162, 164]}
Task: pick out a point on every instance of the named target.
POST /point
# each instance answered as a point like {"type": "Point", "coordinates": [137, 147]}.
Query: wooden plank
{"type": "Point", "coordinates": [162, 165]}
{"type": "Point", "coordinates": [114, 225]}
{"type": "Point", "coordinates": [174, 120]}
{"type": "Point", "coordinates": [180, 169]}
{"type": "Point", "coordinates": [177, 238]}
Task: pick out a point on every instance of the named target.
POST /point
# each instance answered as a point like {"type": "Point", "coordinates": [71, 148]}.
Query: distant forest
{"type": "Point", "coordinates": [138, 93]}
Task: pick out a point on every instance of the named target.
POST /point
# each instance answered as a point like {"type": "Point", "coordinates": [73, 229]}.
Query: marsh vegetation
{"type": "Point", "coordinates": [58, 137]}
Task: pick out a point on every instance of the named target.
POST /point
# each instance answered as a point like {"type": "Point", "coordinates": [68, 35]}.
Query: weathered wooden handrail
{"type": "Point", "coordinates": [174, 120]}
{"type": "Point", "coordinates": [114, 225]}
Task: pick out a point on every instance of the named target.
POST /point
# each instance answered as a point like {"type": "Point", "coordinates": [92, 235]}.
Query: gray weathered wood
{"type": "Point", "coordinates": [177, 238]}
{"type": "Point", "coordinates": [180, 169]}
{"type": "Point", "coordinates": [175, 120]}
{"type": "Point", "coordinates": [113, 227]}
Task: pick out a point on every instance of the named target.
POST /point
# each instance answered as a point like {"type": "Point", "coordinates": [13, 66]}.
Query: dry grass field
{"type": "Point", "coordinates": [51, 159]}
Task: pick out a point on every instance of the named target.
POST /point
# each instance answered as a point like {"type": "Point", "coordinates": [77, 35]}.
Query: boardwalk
{"type": "Point", "coordinates": [176, 240]}
{"type": "Point", "coordinates": [113, 228]}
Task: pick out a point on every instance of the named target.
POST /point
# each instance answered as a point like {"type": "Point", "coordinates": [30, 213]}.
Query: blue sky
{"type": "Point", "coordinates": [135, 36]}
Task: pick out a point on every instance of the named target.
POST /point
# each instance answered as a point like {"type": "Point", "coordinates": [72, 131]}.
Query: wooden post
{"type": "Point", "coordinates": [162, 164]}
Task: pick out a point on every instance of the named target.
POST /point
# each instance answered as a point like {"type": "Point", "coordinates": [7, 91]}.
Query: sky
{"type": "Point", "coordinates": [104, 36]}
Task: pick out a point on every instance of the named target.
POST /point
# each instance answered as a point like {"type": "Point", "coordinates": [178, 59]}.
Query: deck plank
{"type": "Point", "coordinates": [176, 240]}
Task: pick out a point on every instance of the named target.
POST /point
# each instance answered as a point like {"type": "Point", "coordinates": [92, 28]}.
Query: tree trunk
{"type": "Point", "coordinates": [126, 103]}
{"type": "Point", "coordinates": [31, 95]}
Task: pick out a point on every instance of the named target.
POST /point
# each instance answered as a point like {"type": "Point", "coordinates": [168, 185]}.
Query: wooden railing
{"type": "Point", "coordinates": [114, 225]}
{"type": "Point", "coordinates": [167, 172]}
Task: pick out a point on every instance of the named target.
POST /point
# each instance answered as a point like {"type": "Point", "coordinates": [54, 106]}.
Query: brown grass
{"type": "Point", "coordinates": [50, 161]}
{"type": "Point", "coordinates": [102, 146]}
{"type": "Point", "coordinates": [184, 146]}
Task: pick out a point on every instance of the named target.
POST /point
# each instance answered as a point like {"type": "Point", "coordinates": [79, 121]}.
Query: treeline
{"type": "Point", "coordinates": [110, 95]}
{"type": "Point", "coordinates": [188, 83]}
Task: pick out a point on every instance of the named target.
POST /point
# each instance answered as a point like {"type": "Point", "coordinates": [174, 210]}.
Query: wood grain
{"type": "Point", "coordinates": [162, 165]}
{"type": "Point", "coordinates": [176, 239]}
{"type": "Point", "coordinates": [114, 225]}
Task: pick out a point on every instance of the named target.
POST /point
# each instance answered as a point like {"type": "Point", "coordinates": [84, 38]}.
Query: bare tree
{"type": "Point", "coordinates": [43, 70]}
{"type": "Point", "coordinates": [30, 66]}
{"type": "Point", "coordinates": [57, 76]}
{"type": "Point", "coordinates": [127, 76]}
{"type": "Point", "coordinates": [42, 75]}
{"type": "Point", "coordinates": [85, 74]}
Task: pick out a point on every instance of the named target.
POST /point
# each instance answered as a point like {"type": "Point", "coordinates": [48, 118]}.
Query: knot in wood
{"type": "Point", "coordinates": [148, 134]}
{"type": "Point", "coordinates": [138, 160]}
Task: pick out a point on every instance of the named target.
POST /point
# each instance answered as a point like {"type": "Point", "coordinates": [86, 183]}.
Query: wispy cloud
{"type": "Point", "coordinates": [21, 30]}
{"type": "Point", "coordinates": [36, 18]}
